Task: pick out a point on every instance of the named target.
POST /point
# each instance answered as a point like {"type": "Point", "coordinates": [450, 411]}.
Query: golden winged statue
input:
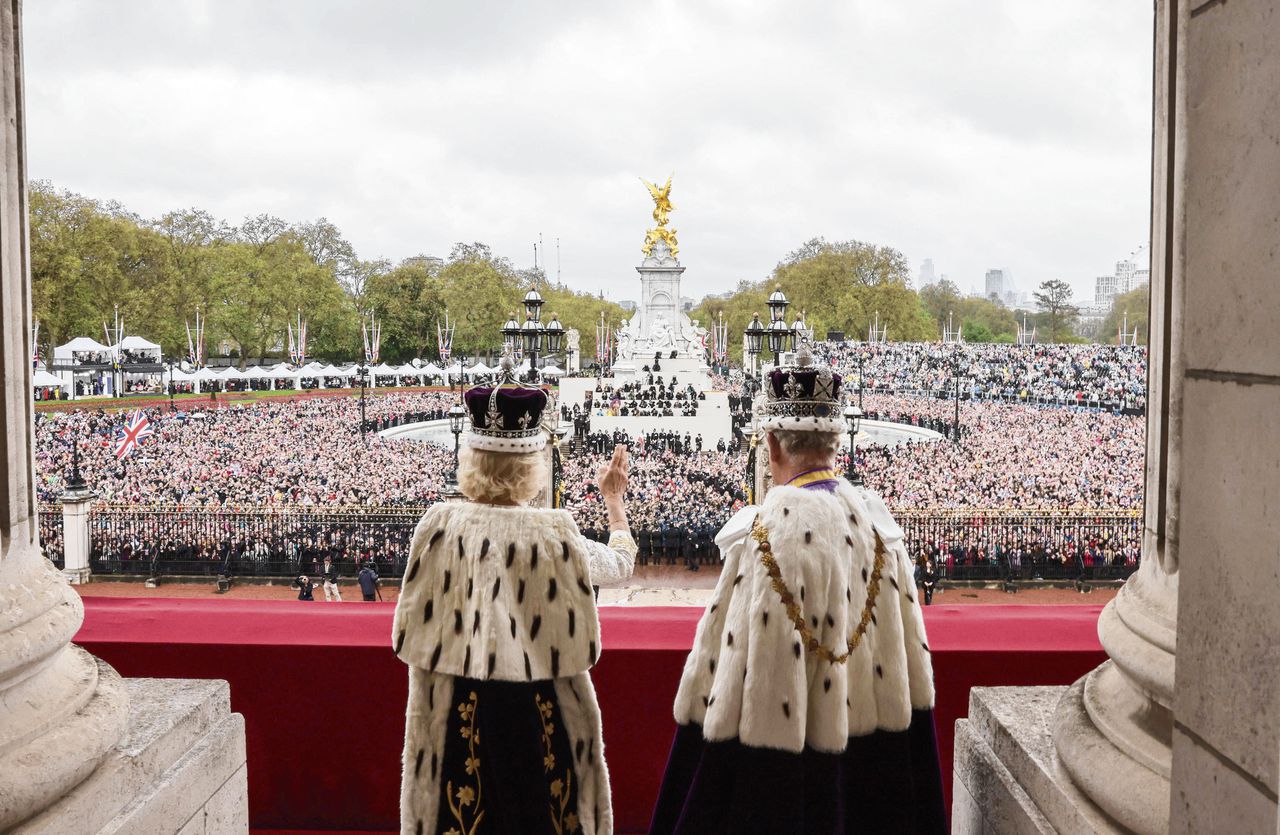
{"type": "Point", "coordinates": [662, 207]}
{"type": "Point", "coordinates": [661, 200]}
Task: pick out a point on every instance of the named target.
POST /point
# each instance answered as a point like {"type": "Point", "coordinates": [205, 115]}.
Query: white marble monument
{"type": "Point", "coordinates": [659, 329]}
{"type": "Point", "coordinates": [659, 326]}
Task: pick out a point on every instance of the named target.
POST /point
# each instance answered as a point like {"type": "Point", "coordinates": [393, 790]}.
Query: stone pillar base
{"type": "Point", "coordinates": [1008, 777]}
{"type": "Point", "coordinates": [181, 767]}
{"type": "Point", "coordinates": [76, 576]}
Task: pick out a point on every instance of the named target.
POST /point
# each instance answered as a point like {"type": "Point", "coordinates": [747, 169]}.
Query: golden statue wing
{"type": "Point", "coordinates": [653, 189]}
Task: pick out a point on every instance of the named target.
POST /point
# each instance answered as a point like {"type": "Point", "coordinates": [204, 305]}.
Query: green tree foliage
{"type": "Point", "coordinates": [976, 332]}
{"type": "Point", "coordinates": [1137, 303]}
{"type": "Point", "coordinates": [408, 301]}
{"type": "Point", "coordinates": [839, 286]}
{"type": "Point", "coordinates": [1057, 314]}
{"type": "Point", "coordinates": [480, 290]}
{"type": "Point", "coordinates": [979, 320]}
{"type": "Point", "coordinates": [89, 258]}
{"type": "Point", "coordinates": [940, 299]}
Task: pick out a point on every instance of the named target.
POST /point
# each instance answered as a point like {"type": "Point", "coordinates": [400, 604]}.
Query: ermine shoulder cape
{"type": "Point", "coordinates": [750, 675]}
{"type": "Point", "coordinates": [497, 593]}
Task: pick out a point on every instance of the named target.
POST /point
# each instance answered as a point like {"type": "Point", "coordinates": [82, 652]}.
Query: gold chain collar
{"type": "Point", "coordinates": [761, 535]}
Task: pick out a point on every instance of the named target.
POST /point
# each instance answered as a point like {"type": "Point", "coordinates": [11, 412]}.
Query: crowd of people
{"type": "Point", "coordinates": [306, 454]}
{"type": "Point", "coordinates": [1109, 377]}
{"type": "Point", "coordinates": [651, 397]}
{"type": "Point", "coordinates": [1008, 456]}
{"type": "Point", "coordinates": [678, 499]}
{"type": "Point", "coordinates": [303, 452]}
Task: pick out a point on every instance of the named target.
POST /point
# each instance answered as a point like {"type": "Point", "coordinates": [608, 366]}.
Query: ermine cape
{"type": "Point", "coordinates": [497, 622]}
{"type": "Point", "coordinates": [777, 731]}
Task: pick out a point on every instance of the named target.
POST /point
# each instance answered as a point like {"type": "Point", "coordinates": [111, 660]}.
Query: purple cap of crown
{"type": "Point", "coordinates": [802, 397]}
{"type": "Point", "coordinates": [506, 418]}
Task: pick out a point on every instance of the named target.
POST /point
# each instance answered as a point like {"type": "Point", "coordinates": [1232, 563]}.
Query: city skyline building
{"type": "Point", "coordinates": [1129, 275]}
{"type": "Point", "coordinates": [927, 274]}
{"type": "Point", "coordinates": [994, 283]}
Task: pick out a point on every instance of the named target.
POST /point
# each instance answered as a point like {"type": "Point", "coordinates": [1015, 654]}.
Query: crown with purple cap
{"type": "Point", "coordinates": [802, 397]}
{"type": "Point", "coordinates": [507, 416]}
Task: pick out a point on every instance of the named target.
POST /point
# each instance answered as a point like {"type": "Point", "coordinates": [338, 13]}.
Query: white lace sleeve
{"type": "Point", "coordinates": [614, 562]}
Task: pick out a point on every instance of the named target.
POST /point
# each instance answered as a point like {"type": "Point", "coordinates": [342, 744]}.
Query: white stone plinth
{"type": "Point", "coordinates": [76, 505]}
{"type": "Point", "coordinates": [181, 767]}
{"type": "Point", "coordinates": [1008, 777]}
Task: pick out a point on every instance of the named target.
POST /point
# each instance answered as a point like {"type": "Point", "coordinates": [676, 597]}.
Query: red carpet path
{"type": "Point", "coordinates": [323, 696]}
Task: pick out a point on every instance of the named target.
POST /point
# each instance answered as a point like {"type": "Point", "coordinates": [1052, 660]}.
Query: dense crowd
{"type": "Point", "coordinates": [1008, 456]}
{"type": "Point", "coordinates": [300, 452]}
{"type": "Point", "coordinates": [1110, 377]}
{"type": "Point", "coordinates": [306, 455]}
{"type": "Point", "coordinates": [677, 500]}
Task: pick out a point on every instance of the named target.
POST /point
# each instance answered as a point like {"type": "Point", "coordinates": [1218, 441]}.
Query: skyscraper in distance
{"type": "Point", "coordinates": [927, 275]}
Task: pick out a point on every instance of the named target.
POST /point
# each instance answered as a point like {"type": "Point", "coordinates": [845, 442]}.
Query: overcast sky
{"type": "Point", "coordinates": [990, 134]}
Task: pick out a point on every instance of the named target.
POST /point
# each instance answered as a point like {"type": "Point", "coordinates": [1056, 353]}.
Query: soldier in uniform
{"type": "Point", "coordinates": [806, 705]}
{"type": "Point", "coordinates": [497, 622]}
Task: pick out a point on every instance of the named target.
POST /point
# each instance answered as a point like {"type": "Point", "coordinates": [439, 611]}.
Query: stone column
{"type": "Point", "coordinates": [1207, 736]}
{"type": "Point", "coordinates": [1180, 730]}
{"type": "Point", "coordinates": [1113, 728]}
{"type": "Point", "coordinates": [76, 504]}
{"type": "Point", "coordinates": [1226, 711]}
{"type": "Point", "coordinates": [61, 710]}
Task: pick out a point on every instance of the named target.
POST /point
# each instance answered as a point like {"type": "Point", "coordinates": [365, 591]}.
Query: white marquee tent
{"type": "Point", "coordinates": [77, 345]}
{"type": "Point", "coordinates": [43, 379]}
{"type": "Point", "coordinates": [137, 343]}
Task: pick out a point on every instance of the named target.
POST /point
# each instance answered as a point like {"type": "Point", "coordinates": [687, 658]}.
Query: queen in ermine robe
{"type": "Point", "coordinates": [497, 622]}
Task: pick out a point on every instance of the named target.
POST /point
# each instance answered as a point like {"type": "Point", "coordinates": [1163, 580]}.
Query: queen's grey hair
{"type": "Point", "coordinates": [500, 477]}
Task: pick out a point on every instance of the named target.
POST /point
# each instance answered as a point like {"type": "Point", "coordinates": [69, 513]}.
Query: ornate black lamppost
{"type": "Point", "coordinates": [169, 362]}
{"type": "Point", "coordinates": [553, 335]}
{"type": "Point", "coordinates": [511, 334]}
{"type": "Point", "coordinates": [754, 334]}
{"type": "Point", "coordinates": [457, 420]}
{"type": "Point", "coordinates": [852, 419]}
{"type": "Point", "coordinates": [533, 337]}
{"type": "Point", "coordinates": [531, 332]}
{"type": "Point", "coordinates": [362, 371]}
{"type": "Point", "coordinates": [781, 336]}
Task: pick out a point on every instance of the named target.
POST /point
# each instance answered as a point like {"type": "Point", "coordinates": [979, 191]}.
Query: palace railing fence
{"type": "Point", "coordinates": [51, 541]}
{"type": "Point", "coordinates": [987, 545]}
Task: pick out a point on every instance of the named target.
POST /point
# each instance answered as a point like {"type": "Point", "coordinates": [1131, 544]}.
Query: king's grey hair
{"type": "Point", "coordinates": [807, 444]}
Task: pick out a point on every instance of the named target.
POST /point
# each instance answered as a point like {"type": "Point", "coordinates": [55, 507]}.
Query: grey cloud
{"type": "Point", "coordinates": [984, 134]}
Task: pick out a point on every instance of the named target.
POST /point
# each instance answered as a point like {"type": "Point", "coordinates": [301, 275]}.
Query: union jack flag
{"type": "Point", "coordinates": [131, 435]}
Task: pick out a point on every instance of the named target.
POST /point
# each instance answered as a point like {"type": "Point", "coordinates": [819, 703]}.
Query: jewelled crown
{"type": "Point", "coordinates": [802, 397]}
{"type": "Point", "coordinates": [506, 417]}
